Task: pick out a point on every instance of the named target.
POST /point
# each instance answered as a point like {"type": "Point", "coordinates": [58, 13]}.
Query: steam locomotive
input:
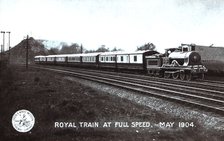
{"type": "Point", "coordinates": [175, 63]}
{"type": "Point", "coordinates": [211, 57]}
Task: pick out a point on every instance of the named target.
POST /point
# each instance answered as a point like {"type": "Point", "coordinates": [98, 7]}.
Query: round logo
{"type": "Point", "coordinates": [23, 121]}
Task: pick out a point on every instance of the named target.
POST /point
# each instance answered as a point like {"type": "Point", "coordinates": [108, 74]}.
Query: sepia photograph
{"type": "Point", "coordinates": [111, 70]}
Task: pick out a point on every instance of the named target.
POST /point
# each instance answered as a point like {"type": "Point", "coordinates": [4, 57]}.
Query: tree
{"type": "Point", "coordinates": [147, 46]}
{"type": "Point", "coordinates": [115, 49]}
{"type": "Point", "coordinates": [89, 51]}
{"type": "Point", "coordinates": [54, 51]}
{"type": "Point", "coordinates": [102, 48]}
{"type": "Point", "coordinates": [74, 48]}
{"type": "Point", "coordinates": [65, 49]}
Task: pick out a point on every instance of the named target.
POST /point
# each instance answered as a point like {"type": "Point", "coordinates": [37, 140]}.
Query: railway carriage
{"type": "Point", "coordinates": [108, 60]}
{"type": "Point", "coordinates": [61, 59]}
{"type": "Point", "coordinates": [124, 60]}
{"type": "Point", "coordinates": [40, 59]}
{"type": "Point", "coordinates": [50, 59]}
{"type": "Point", "coordinates": [90, 60]}
{"type": "Point", "coordinates": [73, 60]}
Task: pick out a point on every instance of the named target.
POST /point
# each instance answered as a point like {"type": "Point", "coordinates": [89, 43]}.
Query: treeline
{"type": "Point", "coordinates": [103, 48]}
{"type": "Point", "coordinates": [67, 49]}
{"type": "Point", "coordinates": [75, 48]}
{"type": "Point", "coordinates": [147, 46]}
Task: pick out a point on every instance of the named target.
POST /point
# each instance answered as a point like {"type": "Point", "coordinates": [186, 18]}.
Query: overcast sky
{"type": "Point", "coordinates": [125, 24]}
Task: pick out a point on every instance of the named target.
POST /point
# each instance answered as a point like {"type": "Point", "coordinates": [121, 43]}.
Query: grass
{"type": "Point", "coordinates": [51, 98]}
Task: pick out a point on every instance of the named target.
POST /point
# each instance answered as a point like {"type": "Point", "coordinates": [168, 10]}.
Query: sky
{"type": "Point", "coordinates": [124, 24]}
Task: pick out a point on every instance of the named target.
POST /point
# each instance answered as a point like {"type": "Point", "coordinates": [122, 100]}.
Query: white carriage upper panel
{"type": "Point", "coordinates": [74, 57]}
{"type": "Point", "coordinates": [40, 58]}
{"type": "Point", "coordinates": [50, 58]}
{"type": "Point", "coordinates": [122, 57]}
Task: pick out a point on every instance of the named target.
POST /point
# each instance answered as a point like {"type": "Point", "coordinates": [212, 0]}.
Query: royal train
{"type": "Point", "coordinates": [181, 64]}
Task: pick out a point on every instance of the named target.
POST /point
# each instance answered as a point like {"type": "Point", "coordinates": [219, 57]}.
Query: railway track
{"type": "Point", "coordinates": [212, 81]}
{"type": "Point", "coordinates": [205, 84]}
{"type": "Point", "coordinates": [190, 94]}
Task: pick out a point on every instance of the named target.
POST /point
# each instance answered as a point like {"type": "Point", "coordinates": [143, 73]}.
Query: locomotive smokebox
{"type": "Point", "coordinates": [194, 58]}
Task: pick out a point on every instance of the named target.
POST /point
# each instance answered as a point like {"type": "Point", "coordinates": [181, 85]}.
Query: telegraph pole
{"type": "Point", "coordinates": [9, 45]}
{"type": "Point", "coordinates": [3, 44]}
{"type": "Point", "coordinates": [1, 51]}
{"type": "Point", "coordinates": [81, 49]}
{"type": "Point", "coordinates": [3, 32]}
{"type": "Point", "coordinates": [27, 47]}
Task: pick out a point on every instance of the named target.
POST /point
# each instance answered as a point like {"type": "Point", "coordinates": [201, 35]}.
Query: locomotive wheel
{"type": "Point", "coordinates": [167, 75]}
{"type": "Point", "coordinates": [188, 76]}
{"type": "Point", "coordinates": [182, 75]}
{"type": "Point", "coordinates": [175, 75]}
{"type": "Point", "coordinates": [202, 76]}
{"type": "Point", "coordinates": [154, 73]}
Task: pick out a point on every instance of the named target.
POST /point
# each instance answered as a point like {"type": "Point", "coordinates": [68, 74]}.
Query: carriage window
{"type": "Point", "coordinates": [192, 48]}
{"type": "Point", "coordinates": [121, 58]}
{"type": "Point", "coordinates": [135, 58]}
{"type": "Point", "coordinates": [106, 58]}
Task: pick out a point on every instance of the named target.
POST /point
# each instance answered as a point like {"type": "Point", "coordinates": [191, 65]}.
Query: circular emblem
{"type": "Point", "coordinates": [23, 121]}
